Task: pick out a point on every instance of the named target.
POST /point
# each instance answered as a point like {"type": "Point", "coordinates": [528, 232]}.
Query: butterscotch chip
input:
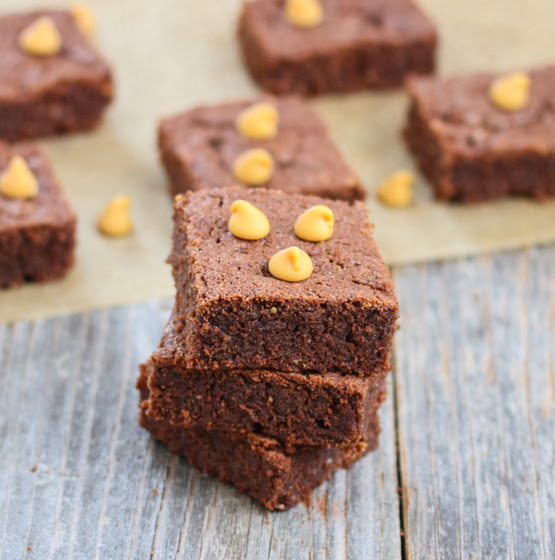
{"type": "Point", "coordinates": [316, 224]}
{"type": "Point", "coordinates": [258, 122]}
{"type": "Point", "coordinates": [18, 181]}
{"type": "Point", "coordinates": [115, 220]}
{"type": "Point", "coordinates": [291, 265]}
{"type": "Point", "coordinates": [254, 167]}
{"type": "Point", "coordinates": [511, 92]}
{"type": "Point", "coordinates": [41, 38]}
{"type": "Point", "coordinates": [397, 190]}
{"type": "Point", "coordinates": [247, 221]}
{"type": "Point", "coordinates": [304, 13]}
{"type": "Point", "coordinates": [84, 18]}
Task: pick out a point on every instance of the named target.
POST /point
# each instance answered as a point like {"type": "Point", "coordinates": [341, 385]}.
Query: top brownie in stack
{"type": "Point", "coordinates": [198, 148]}
{"type": "Point", "coordinates": [235, 314]}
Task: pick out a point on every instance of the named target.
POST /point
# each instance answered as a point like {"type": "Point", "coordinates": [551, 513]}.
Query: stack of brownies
{"type": "Point", "coordinates": [268, 384]}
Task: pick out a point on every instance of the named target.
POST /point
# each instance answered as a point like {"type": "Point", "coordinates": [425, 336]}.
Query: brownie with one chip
{"type": "Point", "coordinates": [359, 44]}
{"type": "Point", "coordinates": [45, 95]}
{"type": "Point", "coordinates": [293, 408]}
{"type": "Point", "coordinates": [198, 149]}
{"type": "Point", "coordinates": [255, 464]}
{"type": "Point", "coordinates": [235, 315]}
{"type": "Point", "coordinates": [37, 235]}
{"type": "Point", "coordinates": [471, 150]}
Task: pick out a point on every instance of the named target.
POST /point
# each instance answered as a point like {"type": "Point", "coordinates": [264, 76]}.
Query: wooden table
{"type": "Point", "coordinates": [465, 469]}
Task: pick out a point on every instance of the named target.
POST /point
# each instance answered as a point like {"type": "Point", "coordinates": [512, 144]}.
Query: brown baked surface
{"type": "Point", "coordinates": [44, 95]}
{"type": "Point", "coordinates": [257, 465]}
{"type": "Point", "coordinates": [37, 236]}
{"type": "Point", "coordinates": [341, 319]}
{"type": "Point", "coordinates": [471, 150]}
{"type": "Point", "coordinates": [360, 44]}
{"type": "Point", "coordinates": [325, 409]}
{"type": "Point", "coordinates": [198, 149]}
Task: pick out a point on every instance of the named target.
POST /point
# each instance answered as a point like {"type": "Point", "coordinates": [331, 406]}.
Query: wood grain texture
{"type": "Point", "coordinates": [476, 417]}
{"type": "Point", "coordinates": [79, 479]}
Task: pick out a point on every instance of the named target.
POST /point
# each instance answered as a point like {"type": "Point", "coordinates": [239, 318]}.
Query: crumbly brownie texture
{"type": "Point", "coordinates": [44, 95]}
{"type": "Point", "coordinates": [360, 44]}
{"type": "Point", "coordinates": [326, 409]}
{"type": "Point", "coordinates": [471, 150]}
{"type": "Point", "coordinates": [234, 314]}
{"type": "Point", "coordinates": [198, 149]}
{"type": "Point", "coordinates": [37, 236]}
{"type": "Point", "coordinates": [257, 465]}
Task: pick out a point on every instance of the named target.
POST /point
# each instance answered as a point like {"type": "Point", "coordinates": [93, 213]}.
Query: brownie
{"type": "Point", "coordinates": [360, 44]}
{"type": "Point", "coordinates": [293, 408]}
{"type": "Point", "coordinates": [471, 150]}
{"type": "Point", "coordinates": [255, 464]}
{"type": "Point", "coordinates": [234, 314]}
{"type": "Point", "coordinates": [44, 95]}
{"type": "Point", "coordinates": [198, 149]}
{"type": "Point", "coordinates": [37, 235]}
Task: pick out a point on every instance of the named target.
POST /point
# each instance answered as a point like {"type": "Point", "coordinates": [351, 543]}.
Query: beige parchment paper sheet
{"type": "Point", "coordinates": [169, 55]}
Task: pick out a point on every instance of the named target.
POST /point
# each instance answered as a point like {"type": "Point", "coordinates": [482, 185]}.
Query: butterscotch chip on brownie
{"type": "Point", "coordinates": [484, 136]}
{"type": "Point", "coordinates": [326, 409]}
{"type": "Point", "coordinates": [358, 44]}
{"type": "Point", "coordinates": [201, 147]}
{"type": "Point", "coordinates": [46, 88]}
{"type": "Point", "coordinates": [37, 233]}
{"type": "Point", "coordinates": [235, 314]}
{"type": "Point", "coordinates": [258, 465]}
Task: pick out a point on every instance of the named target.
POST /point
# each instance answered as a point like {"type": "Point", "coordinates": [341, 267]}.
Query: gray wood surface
{"type": "Point", "coordinates": [468, 433]}
{"type": "Point", "coordinates": [476, 417]}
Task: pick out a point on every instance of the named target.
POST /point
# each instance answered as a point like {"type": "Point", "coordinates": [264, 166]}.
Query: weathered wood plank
{"type": "Point", "coordinates": [539, 369]}
{"type": "Point", "coordinates": [102, 488]}
{"type": "Point", "coordinates": [475, 407]}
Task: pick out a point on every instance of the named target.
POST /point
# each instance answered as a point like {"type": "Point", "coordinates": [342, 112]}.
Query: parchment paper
{"type": "Point", "coordinates": [169, 55]}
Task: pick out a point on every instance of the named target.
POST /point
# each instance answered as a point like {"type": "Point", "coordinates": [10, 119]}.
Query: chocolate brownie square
{"type": "Point", "coordinates": [37, 235]}
{"type": "Point", "coordinates": [359, 44]}
{"type": "Point", "coordinates": [235, 315]}
{"type": "Point", "coordinates": [44, 95]}
{"type": "Point", "coordinates": [293, 408]}
{"type": "Point", "coordinates": [472, 150]}
{"type": "Point", "coordinates": [256, 465]}
{"type": "Point", "coordinates": [198, 149]}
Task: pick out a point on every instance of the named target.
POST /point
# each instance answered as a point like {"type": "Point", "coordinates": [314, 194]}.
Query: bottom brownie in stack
{"type": "Point", "coordinates": [278, 476]}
